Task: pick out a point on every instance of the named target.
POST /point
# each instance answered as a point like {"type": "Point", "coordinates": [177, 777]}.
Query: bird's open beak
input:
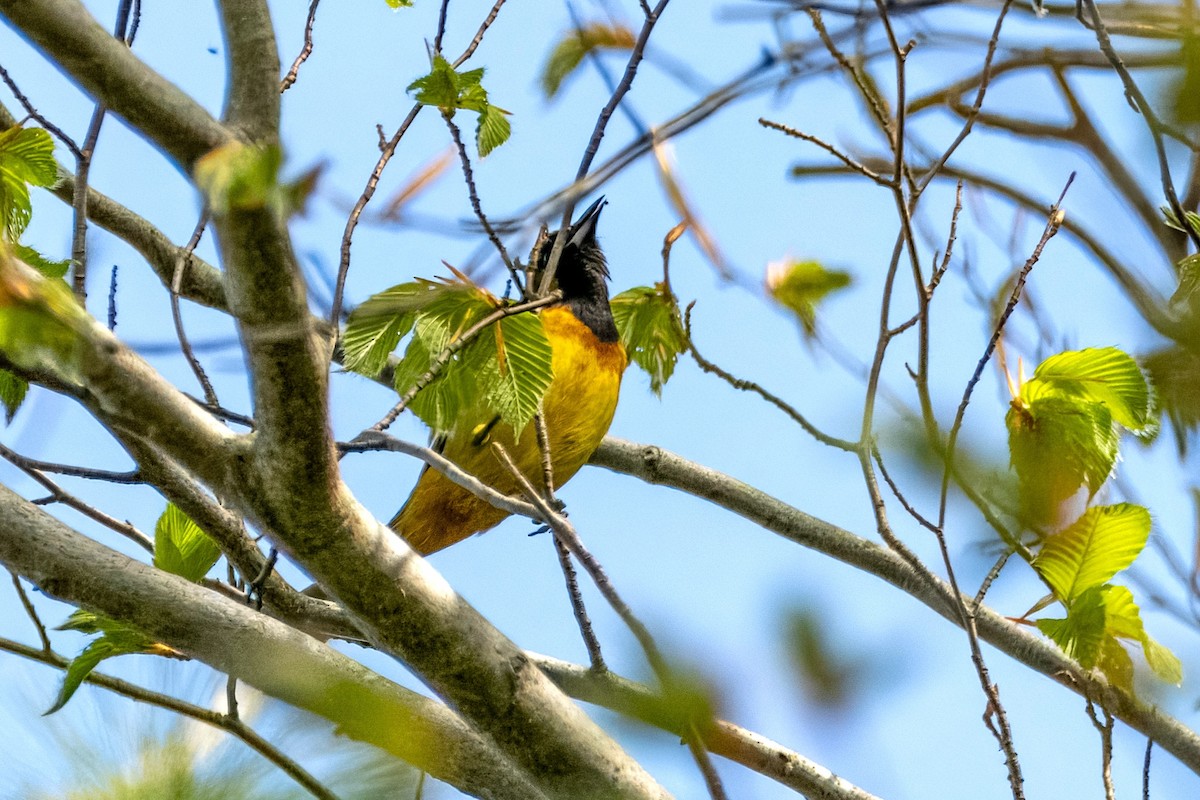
{"type": "Point", "coordinates": [585, 227]}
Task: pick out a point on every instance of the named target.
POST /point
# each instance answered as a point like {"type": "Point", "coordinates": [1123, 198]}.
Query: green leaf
{"type": "Point", "coordinates": [181, 547]}
{"type": "Point", "coordinates": [1101, 543]}
{"type": "Point", "coordinates": [397, 4]}
{"type": "Point", "coordinates": [450, 91]}
{"type": "Point", "coordinates": [493, 129]}
{"type": "Point", "coordinates": [440, 87]}
{"type": "Point", "coordinates": [524, 370]}
{"type": "Point", "coordinates": [1186, 294]}
{"type": "Point", "coordinates": [1056, 445]}
{"type": "Point", "coordinates": [375, 328]}
{"type": "Point", "coordinates": [1172, 221]}
{"type": "Point", "coordinates": [800, 285]}
{"type": "Point", "coordinates": [1096, 622]}
{"type": "Point", "coordinates": [26, 159]}
{"type": "Point", "coordinates": [1163, 663]}
{"type": "Point", "coordinates": [1105, 375]}
{"type": "Point", "coordinates": [575, 44]}
{"type": "Point", "coordinates": [1175, 371]}
{"type": "Point", "coordinates": [117, 638]}
{"type": "Point", "coordinates": [241, 177]}
{"type": "Point", "coordinates": [1125, 622]}
{"type": "Point", "coordinates": [647, 320]}
{"type": "Point", "coordinates": [1116, 664]}
{"type": "Point", "coordinates": [47, 267]}
{"type": "Point", "coordinates": [463, 383]}
{"type": "Point", "coordinates": [1082, 633]}
{"type": "Point", "coordinates": [12, 393]}
{"type": "Point", "coordinates": [39, 319]}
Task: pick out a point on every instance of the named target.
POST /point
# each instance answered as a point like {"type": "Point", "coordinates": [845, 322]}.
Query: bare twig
{"type": "Point", "coordinates": [370, 440]}
{"type": "Point", "coordinates": [181, 264]}
{"type": "Point", "coordinates": [1139, 101]}
{"type": "Point", "coordinates": [828, 148]}
{"type": "Point", "coordinates": [635, 58]}
{"type": "Point", "coordinates": [59, 495]}
{"type": "Point", "coordinates": [1003, 731]}
{"type": "Point", "coordinates": [476, 206]}
{"type": "Point", "coordinates": [1105, 730]}
{"type": "Point", "coordinates": [305, 51]}
{"type": "Point", "coordinates": [751, 386]}
{"type": "Point", "coordinates": [31, 612]}
{"type": "Point", "coordinates": [33, 112]}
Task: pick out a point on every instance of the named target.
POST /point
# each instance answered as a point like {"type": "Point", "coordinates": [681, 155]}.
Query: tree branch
{"type": "Point", "coordinates": [266, 654]}
{"type": "Point", "coordinates": [659, 467]}
{"type": "Point", "coordinates": [110, 73]}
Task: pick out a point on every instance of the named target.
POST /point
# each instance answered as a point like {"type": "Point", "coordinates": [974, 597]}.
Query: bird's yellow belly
{"type": "Point", "coordinates": [578, 409]}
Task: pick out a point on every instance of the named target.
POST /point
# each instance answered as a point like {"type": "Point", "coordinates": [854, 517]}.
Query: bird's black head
{"type": "Point", "coordinates": [582, 274]}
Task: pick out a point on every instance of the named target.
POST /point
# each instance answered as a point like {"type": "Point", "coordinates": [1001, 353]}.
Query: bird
{"type": "Point", "coordinates": [588, 361]}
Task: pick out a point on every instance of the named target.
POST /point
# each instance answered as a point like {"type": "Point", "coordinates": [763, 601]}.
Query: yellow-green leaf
{"type": "Point", "coordinates": [575, 44]}
{"type": "Point", "coordinates": [1056, 445]}
{"type": "Point", "coordinates": [524, 371]}
{"type": "Point", "coordinates": [1082, 633]}
{"type": "Point", "coordinates": [1105, 375]}
{"type": "Point", "coordinates": [375, 328]}
{"type": "Point", "coordinates": [181, 547]}
{"type": "Point", "coordinates": [800, 285]}
{"type": "Point", "coordinates": [116, 638]}
{"type": "Point", "coordinates": [239, 176]}
{"type": "Point", "coordinates": [492, 130]}
{"type": "Point", "coordinates": [1101, 543]}
{"type": "Point", "coordinates": [647, 320]}
{"type": "Point", "coordinates": [26, 159]}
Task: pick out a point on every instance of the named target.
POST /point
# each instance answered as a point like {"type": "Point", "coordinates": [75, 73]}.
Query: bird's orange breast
{"type": "Point", "coordinates": [578, 408]}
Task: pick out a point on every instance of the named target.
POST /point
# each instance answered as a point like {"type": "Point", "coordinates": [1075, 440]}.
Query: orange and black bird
{"type": "Point", "coordinates": [588, 361]}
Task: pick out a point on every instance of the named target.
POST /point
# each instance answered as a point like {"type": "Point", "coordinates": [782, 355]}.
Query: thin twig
{"type": "Point", "coordinates": [83, 165]}
{"type": "Point", "coordinates": [695, 743]}
{"type": "Point", "coordinates": [41, 120]}
{"type": "Point", "coordinates": [985, 76]}
{"type": "Point", "coordinates": [635, 58]}
{"type": "Point", "coordinates": [590, 640]}
{"type": "Point", "coordinates": [31, 612]}
{"type": "Point", "coordinates": [370, 440]}
{"type": "Point", "coordinates": [751, 386]}
{"type": "Point", "coordinates": [476, 206]}
{"type": "Point", "coordinates": [112, 299]}
{"type": "Point", "coordinates": [1004, 732]}
{"type": "Point", "coordinates": [1143, 107]}
{"type": "Point", "coordinates": [828, 148]}
{"type": "Point", "coordinates": [305, 51]}
{"type": "Point", "coordinates": [1146, 768]}
{"type": "Point", "coordinates": [1105, 730]}
{"type": "Point", "coordinates": [59, 495]}
{"type": "Point", "coordinates": [181, 263]}
{"type": "Point", "coordinates": [565, 532]}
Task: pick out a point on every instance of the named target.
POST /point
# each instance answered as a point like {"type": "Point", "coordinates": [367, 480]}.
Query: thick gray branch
{"type": "Point", "coordinates": [252, 100]}
{"type": "Point", "coordinates": [106, 69]}
{"type": "Point", "coordinates": [267, 654]}
{"type": "Point", "coordinates": [657, 466]}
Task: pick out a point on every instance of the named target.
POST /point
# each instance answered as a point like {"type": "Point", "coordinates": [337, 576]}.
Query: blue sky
{"type": "Point", "coordinates": [713, 587]}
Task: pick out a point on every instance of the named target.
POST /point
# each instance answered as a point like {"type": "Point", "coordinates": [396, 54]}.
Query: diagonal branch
{"type": "Point", "coordinates": [660, 467]}
{"type": "Point", "coordinates": [269, 655]}
{"type": "Point", "coordinates": [106, 69]}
